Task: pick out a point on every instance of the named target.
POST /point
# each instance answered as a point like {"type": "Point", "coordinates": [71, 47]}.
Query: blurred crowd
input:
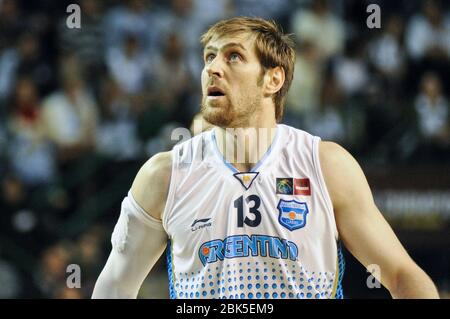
{"type": "Point", "coordinates": [82, 109]}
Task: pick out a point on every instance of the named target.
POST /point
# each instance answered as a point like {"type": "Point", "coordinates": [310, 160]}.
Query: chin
{"type": "Point", "coordinates": [217, 116]}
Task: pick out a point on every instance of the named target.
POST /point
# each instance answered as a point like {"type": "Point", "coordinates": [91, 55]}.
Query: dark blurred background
{"type": "Point", "coordinates": [82, 109]}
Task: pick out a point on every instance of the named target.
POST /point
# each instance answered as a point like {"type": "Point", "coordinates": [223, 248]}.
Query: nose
{"type": "Point", "coordinates": [215, 68]}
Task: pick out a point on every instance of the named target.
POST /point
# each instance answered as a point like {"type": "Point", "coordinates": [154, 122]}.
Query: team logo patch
{"type": "Point", "coordinates": [284, 186]}
{"type": "Point", "coordinates": [302, 186]}
{"type": "Point", "coordinates": [292, 214]}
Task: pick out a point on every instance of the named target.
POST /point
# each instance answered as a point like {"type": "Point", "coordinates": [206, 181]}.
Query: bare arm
{"type": "Point", "coordinates": [138, 238]}
{"type": "Point", "coordinates": [363, 229]}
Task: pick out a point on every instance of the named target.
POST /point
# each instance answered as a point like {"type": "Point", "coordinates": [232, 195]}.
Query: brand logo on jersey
{"type": "Point", "coordinates": [200, 223]}
{"type": "Point", "coordinates": [292, 214]}
{"type": "Point", "coordinates": [284, 186]}
{"type": "Point", "coordinates": [302, 186]}
{"type": "Point", "coordinates": [244, 246]}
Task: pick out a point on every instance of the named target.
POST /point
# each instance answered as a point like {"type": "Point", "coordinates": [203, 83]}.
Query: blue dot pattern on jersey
{"type": "Point", "coordinates": [224, 279]}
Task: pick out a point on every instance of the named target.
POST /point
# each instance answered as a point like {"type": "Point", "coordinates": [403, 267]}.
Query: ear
{"type": "Point", "coordinates": [274, 80]}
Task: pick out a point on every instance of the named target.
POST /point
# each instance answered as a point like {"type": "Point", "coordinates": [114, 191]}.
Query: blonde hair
{"type": "Point", "coordinates": [273, 48]}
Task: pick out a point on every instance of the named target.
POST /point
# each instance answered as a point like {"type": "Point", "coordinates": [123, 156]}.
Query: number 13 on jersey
{"type": "Point", "coordinates": [239, 205]}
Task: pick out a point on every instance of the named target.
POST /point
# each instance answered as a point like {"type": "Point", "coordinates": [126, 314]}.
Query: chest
{"type": "Point", "coordinates": [217, 204]}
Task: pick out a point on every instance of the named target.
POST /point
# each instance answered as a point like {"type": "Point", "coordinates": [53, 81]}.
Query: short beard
{"type": "Point", "coordinates": [228, 117]}
{"type": "Point", "coordinates": [218, 117]}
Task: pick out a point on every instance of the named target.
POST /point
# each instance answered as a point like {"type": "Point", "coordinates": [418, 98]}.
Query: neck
{"type": "Point", "coordinates": [244, 147]}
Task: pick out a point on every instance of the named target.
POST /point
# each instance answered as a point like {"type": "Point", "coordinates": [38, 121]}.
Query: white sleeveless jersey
{"type": "Point", "coordinates": [266, 233]}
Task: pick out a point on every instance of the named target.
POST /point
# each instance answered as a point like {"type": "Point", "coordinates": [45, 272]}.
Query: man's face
{"type": "Point", "coordinates": [231, 81]}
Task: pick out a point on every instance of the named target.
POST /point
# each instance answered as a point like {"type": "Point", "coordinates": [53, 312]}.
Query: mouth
{"type": "Point", "coordinates": [214, 91]}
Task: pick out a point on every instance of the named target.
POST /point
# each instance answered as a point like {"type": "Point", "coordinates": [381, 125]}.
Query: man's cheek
{"type": "Point", "coordinates": [203, 81]}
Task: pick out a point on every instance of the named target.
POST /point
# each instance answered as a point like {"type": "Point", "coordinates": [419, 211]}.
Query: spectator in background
{"type": "Point", "coordinates": [3, 141]}
{"type": "Point", "coordinates": [428, 33]}
{"type": "Point", "coordinates": [128, 65]}
{"type": "Point", "coordinates": [11, 22]}
{"type": "Point", "coordinates": [89, 255]}
{"type": "Point", "coordinates": [86, 251]}
{"type": "Point", "coordinates": [32, 63]}
{"type": "Point", "coordinates": [133, 17]}
{"type": "Point", "coordinates": [387, 56]}
{"type": "Point", "coordinates": [31, 164]}
{"type": "Point", "coordinates": [117, 131]}
{"type": "Point", "coordinates": [31, 155]}
{"type": "Point", "coordinates": [428, 44]}
{"type": "Point", "coordinates": [354, 80]}
{"type": "Point", "coordinates": [321, 27]}
{"type": "Point", "coordinates": [351, 70]}
{"type": "Point", "coordinates": [8, 65]}
{"type": "Point", "coordinates": [171, 80]}
{"type": "Point", "coordinates": [19, 218]}
{"type": "Point", "coordinates": [88, 41]}
{"type": "Point", "coordinates": [267, 9]}
{"type": "Point", "coordinates": [303, 96]}
{"type": "Point", "coordinates": [327, 121]}
{"type": "Point", "coordinates": [188, 25]}
{"type": "Point", "coordinates": [51, 275]}
{"type": "Point", "coordinates": [212, 11]}
{"type": "Point", "coordinates": [386, 50]}
{"type": "Point", "coordinates": [10, 279]}
{"type": "Point", "coordinates": [70, 114]}
{"type": "Point", "coordinates": [12, 200]}
{"type": "Point", "coordinates": [24, 59]}
{"type": "Point", "coordinates": [188, 19]}
{"type": "Point", "coordinates": [432, 111]}
{"type": "Point", "coordinates": [68, 293]}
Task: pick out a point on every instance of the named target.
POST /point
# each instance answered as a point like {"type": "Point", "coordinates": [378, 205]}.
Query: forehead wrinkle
{"type": "Point", "coordinates": [225, 47]}
{"type": "Point", "coordinates": [241, 37]}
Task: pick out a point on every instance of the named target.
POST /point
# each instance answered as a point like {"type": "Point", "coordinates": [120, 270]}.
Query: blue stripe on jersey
{"type": "Point", "coordinates": [341, 269]}
{"type": "Point", "coordinates": [172, 293]}
{"type": "Point", "coordinates": [269, 150]}
{"type": "Point", "coordinates": [216, 149]}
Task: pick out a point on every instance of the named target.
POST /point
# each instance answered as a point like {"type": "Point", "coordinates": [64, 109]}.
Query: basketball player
{"type": "Point", "coordinates": [269, 227]}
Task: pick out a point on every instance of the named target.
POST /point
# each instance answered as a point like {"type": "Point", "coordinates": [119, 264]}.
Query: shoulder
{"type": "Point", "coordinates": [159, 164]}
{"type": "Point", "coordinates": [332, 153]}
{"type": "Point", "coordinates": [151, 185]}
{"type": "Point", "coordinates": [296, 135]}
{"type": "Point", "coordinates": [342, 173]}
{"type": "Point", "coordinates": [287, 129]}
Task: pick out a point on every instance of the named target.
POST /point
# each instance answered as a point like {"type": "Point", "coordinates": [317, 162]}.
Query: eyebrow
{"type": "Point", "coordinates": [226, 46]}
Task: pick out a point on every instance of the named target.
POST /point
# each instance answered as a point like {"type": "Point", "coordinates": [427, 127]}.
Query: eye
{"type": "Point", "coordinates": [209, 57]}
{"type": "Point", "coordinates": [234, 57]}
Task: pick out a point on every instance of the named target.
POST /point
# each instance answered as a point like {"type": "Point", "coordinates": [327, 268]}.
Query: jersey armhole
{"type": "Point", "coordinates": [323, 185]}
{"type": "Point", "coordinates": [171, 192]}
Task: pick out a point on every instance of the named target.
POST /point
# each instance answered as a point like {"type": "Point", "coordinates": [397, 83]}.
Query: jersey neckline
{"type": "Point", "coordinates": [263, 159]}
